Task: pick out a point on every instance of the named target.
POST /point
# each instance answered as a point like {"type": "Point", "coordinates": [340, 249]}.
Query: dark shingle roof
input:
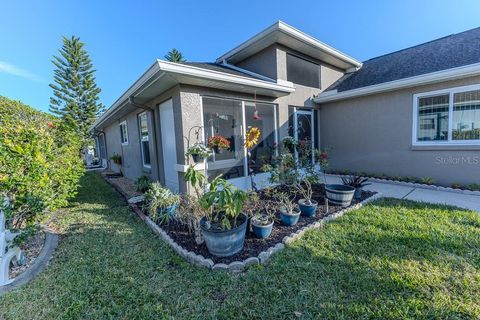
{"type": "Point", "coordinates": [220, 68]}
{"type": "Point", "coordinates": [445, 53]}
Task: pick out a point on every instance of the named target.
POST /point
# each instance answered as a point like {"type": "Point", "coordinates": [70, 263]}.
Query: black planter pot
{"type": "Point", "coordinates": [197, 158]}
{"type": "Point", "coordinates": [225, 243]}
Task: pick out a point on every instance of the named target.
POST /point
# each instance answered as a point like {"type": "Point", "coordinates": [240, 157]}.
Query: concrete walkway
{"type": "Point", "coordinates": [471, 202]}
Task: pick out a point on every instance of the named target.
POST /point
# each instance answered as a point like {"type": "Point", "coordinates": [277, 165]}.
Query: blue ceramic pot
{"type": "Point", "coordinates": [289, 219]}
{"type": "Point", "coordinates": [307, 210]}
{"type": "Point", "coordinates": [171, 210]}
{"type": "Point", "coordinates": [262, 231]}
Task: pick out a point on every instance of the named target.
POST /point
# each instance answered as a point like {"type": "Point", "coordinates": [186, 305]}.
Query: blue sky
{"type": "Point", "coordinates": [125, 37]}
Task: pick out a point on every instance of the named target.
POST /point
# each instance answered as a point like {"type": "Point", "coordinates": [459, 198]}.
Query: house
{"type": "Point", "coordinates": [414, 112]}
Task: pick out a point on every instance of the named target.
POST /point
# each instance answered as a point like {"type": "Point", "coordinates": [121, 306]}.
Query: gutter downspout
{"type": "Point", "coordinates": [131, 100]}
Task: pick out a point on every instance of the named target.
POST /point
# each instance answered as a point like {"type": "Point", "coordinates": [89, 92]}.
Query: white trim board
{"type": "Point", "coordinates": [439, 76]}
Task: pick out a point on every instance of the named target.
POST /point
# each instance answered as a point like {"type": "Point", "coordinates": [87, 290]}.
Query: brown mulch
{"type": "Point", "coordinates": [126, 186]}
{"type": "Point", "coordinates": [254, 246]}
{"type": "Point", "coordinates": [31, 248]}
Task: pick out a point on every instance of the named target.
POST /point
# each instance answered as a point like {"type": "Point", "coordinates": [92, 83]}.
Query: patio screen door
{"type": "Point", "coordinates": [303, 130]}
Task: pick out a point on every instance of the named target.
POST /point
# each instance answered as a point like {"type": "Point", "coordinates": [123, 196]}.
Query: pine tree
{"type": "Point", "coordinates": [75, 92]}
{"type": "Point", "coordinates": [175, 56]}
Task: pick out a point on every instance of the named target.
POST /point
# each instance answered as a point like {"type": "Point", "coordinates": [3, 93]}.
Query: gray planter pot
{"type": "Point", "coordinates": [225, 243]}
{"type": "Point", "coordinates": [339, 194]}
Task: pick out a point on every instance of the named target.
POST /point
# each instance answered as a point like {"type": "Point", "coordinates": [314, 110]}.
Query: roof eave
{"type": "Point", "coordinates": [295, 33]}
{"type": "Point", "coordinates": [161, 67]}
{"type": "Point", "coordinates": [433, 77]}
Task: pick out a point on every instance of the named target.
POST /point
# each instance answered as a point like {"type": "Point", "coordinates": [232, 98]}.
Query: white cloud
{"type": "Point", "coordinates": [9, 68]}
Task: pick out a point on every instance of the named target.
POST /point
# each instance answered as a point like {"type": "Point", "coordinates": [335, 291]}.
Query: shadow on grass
{"type": "Point", "coordinates": [377, 262]}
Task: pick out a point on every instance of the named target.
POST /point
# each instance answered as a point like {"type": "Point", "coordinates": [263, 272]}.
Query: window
{"type": "Point", "coordinates": [223, 117]}
{"type": "Point", "coordinates": [303, 72]}
{"type": "Point", "coordinates": [144, 138]}
{"type": "Point", "coordinates": [123, 133]}
{"type": "Point", "coordinates": [262, 116]}
{"type": "Point", "coordinates": [466, 115]}
{"type": "Point", "coordinates": [449, 117]}
{"type": "Point", "coordinates": [231, 119]}
{"type": "Point", "coordinates": [433, 118]}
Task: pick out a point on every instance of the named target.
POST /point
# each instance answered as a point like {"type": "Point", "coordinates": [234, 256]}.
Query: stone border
{"type": "Point", "coordinates": [416, 185]}
{"type": "Point", "coordinates": [262, 258]}
{"type": "Point", "coordinates": [51, 243]}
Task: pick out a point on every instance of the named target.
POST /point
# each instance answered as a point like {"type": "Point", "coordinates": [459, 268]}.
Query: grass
{"type": "Point", "coordinates": [389, 260]}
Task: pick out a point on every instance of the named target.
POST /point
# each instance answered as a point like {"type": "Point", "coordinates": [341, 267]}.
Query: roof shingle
{"type": "Point", "coordinates": [445, 53]}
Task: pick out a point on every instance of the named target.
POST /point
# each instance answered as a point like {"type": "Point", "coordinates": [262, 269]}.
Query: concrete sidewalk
{"type": "Point", "coordinates": [471, 202]}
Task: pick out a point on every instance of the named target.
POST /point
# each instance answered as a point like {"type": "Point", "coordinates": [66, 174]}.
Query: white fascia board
{"type": "Point", "coordinates": [433, 77]}
{"type": "Point", "coordinates": [187, 70]}
{"type": "Point", "coordinates": [295, 33]}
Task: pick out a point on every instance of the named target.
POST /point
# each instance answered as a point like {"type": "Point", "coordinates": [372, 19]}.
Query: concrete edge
{"type": "Point", "coordinates": [416, 185]}
{"type": "Point", "coordinates": [42, 260]}
{"type": "Point", "coordinates": [237, 266]}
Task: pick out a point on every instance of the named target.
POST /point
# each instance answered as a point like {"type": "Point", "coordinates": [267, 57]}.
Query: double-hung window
{"type": "Point", "coordinates": [144, 139]}
{"type": "Point", "coordinates": [123, 133]}
{"type": "Point", "coordinates": [447, 117]}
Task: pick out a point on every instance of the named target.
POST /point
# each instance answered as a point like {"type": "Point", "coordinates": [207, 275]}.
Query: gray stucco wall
{"type": "Point", "coordinates": [374, 134]}
{"type": "Point", "coordinates": [264, 62]}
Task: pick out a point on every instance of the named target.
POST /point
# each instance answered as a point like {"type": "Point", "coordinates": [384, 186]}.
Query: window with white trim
{"type": "Point", "coordinates": [123, 133]}
{"type": "Point", "coordinates": [144, 138]}
{"type": "Point", "coordinates": [448, 117]}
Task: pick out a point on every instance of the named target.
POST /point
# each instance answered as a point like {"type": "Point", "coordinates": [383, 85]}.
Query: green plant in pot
{"type": "Point", "coordinates": [224, 227]}
{"type": "Point", "coordinates": [289, 213]}
{"type": "Point", "coordinates": [198, 152]}
{"type": "Point", "coordinates": [307, 205]}
{"type": "Point", "coordinates": [116, 158]}
{"type": "Point", "coordinates": [261, 214]}
{"type": "Point", "coordinates": [356, 182]}
{"type": "Point", "coordinates": [161, 203]}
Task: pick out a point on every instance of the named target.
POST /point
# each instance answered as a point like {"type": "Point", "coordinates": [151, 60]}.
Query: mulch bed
{"type": "Point", "coordinates": [126, 185]}
{"type": "Point", "coordinates": [254, 246]}
{"type": "Point", "coordinates": [31, 248]}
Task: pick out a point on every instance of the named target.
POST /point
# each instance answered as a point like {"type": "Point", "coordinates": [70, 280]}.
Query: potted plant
{"type": "Point", "coordinates": [198, 152]}
{"type": "Point", "coordinates": [218, 143]}
{"type": "Point", "coordinates": [262, 219]}
{"type": "Point", "coordinates": [289, 213]}
{"type": "Point", "coordinates": [307, 205]}
{"type": "Point", "coordinates": [161, 203]}
{"type": "Point", "coordinates": [224, 227]}
{"type": "Point", "coordinates": [116, 158]}
{"type": "Point", "coordinates": [357, 182]}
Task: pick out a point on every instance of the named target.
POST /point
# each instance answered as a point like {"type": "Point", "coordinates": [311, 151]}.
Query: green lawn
{"type": "Point", "coordinates": [391, 259]}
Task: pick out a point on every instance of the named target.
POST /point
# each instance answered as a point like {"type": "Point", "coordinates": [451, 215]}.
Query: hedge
{"type": "Point", "coordinates": [40, 163]}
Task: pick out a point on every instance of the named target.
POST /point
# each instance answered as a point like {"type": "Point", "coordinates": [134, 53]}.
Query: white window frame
{"type": "Point", "coordinates": [125, 134]}
{"type": "Point", "coordinates": [139, 116]}
{"type": "Point", "coordinates": [220, 164]}
{"type": "Point", "coordinates": [450, 141]}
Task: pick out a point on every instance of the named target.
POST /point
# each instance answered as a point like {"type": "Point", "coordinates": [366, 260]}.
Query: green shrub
{"type": "Point", "coordinates": [40, 162]}
{"type": "Point", "coordinates": [143, 183]}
